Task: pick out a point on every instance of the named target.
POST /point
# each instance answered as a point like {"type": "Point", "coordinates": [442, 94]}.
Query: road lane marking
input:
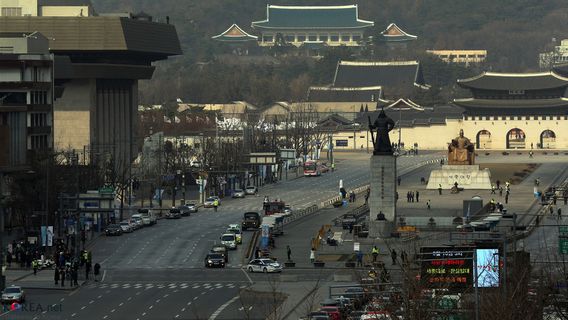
{"type": "Point", "coordinates": [221, 308]}
{"type": "Point", "coordinates": [74, 314]}
{"type": "Point", "coordinates": [246, 274]}
{"type": "Point", "coordinates": [104, 275]}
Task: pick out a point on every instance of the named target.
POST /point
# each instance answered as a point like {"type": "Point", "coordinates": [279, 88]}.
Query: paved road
{"type": "Point", "coordinates": [157, 272]}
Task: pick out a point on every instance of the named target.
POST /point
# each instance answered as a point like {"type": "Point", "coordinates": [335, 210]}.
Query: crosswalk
{"type": "Point", "coordinates": [174, 285]}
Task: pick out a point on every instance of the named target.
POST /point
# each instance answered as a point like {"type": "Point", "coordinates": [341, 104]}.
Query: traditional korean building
{"type": "Point", "coordinates": [345, 94]}
{"type": "Point", "coordinates": [460, 56]}
{"type": "Point", "coordinates": [332, 25]}
{"type": "Point", "coordinates": [394, 37]}
{"type": "Point", "coordinates": [235, 34]}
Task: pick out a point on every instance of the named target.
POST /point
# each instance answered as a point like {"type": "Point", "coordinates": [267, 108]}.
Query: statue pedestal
{"type": "Point", "coordinates": [383, 195]}
{"type": "Point", "coordinates": [469, 177]}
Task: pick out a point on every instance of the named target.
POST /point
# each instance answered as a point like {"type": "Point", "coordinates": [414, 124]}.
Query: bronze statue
{"type": "Point", "coordinates": [461, 151]}
{"type": "Point", "coordinates": [383, 124]}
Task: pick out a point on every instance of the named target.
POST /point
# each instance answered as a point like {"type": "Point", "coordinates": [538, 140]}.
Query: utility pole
{"type": "Point", "coordinates": [2, 277]}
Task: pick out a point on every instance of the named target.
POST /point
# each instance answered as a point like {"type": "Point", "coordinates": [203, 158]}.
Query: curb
{"type": "Point", "coordinates": [54, 288]}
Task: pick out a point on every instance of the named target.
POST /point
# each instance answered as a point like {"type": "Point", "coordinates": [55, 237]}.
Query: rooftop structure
{"type": "Point", "coordinates": [394, 33]}
{"type": "Point", "coordinates": [234, 34]}
{"type": "Point", "coordinates": [345, 94]}
{"type": "Point", "coordinates": [515, 93]}
{"type": "Point", "coordinates": [558, 56]}
{"type": "Point", "coordinates": [398, 79]}
{"type": "Point", "coordinates": [334, 25]}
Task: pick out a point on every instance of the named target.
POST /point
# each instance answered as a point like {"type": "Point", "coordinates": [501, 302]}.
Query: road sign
{"type": "Point", "coordinates": [106, 190]}
{"type": "Point", "coordinates": [563, 230]}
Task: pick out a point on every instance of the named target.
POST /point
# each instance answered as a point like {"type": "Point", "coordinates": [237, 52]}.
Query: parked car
{"type": "Point", "coordinates": [236, 229]}
{"type": "Point", "coordinates": [187, 209]}
{"type": "Point", "coordinates": [222, 250]}
{"type": "Point", "coordinates": [214, 260]}
{"type": "Point", "coordinates": [229, 240]}
{"type": "Point", "coordinates": [209, 201]}
{"type": "Point", "coordinates": [192, 206]}
{"type": "Point", "coordinates": [251, 190]}
{"type": "Point", "coordinates": [238, 193]}
{"type": "Point", "coordinates": [126, 226]}
{"type": "Point", "coordinates": [113, 230]}
{"type": "Point", "coordinates": [333, 312]}
{"type": "Point", "coordinates": [13, 294]}
{"type": "Point", "coordinates": [137, 220]}
{"type": "Point", "coordinates": [148, 217]}
{"type": "Point", "coordinates": [174, 213]}
{"type": "Point", "coordinates": [264, 265]}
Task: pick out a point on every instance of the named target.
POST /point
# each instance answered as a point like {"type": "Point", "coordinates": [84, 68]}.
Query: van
{"type": "Point", "coordinates": [148, 217]}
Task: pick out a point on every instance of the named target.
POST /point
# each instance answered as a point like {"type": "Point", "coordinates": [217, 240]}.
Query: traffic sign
{"type": "Point", "coordinates": [106, 190]}
{"type": "Point", "coordinates": [563, 230]}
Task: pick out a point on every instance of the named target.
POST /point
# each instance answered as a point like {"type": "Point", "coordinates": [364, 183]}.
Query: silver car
{"type": "Point", "coordinates": [126, 226]}
{"type": "Point", "coordinates": [13, 294]}
{"type": "Point", "coordinates": [264, 265]}
{"type": "Point", "coordinates": [251, 190]}
{"type": "Point", "coordinates": [238, 193]}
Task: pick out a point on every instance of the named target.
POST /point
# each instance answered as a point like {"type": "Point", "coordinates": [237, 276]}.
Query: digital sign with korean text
{"type": "Point", "coordinates": [447, 267]}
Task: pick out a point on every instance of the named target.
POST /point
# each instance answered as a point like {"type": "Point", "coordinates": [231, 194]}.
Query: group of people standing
{"type": "Point", "coordinates": [413, 195]}
{"type": "Point", "coordinates": [68, 267]}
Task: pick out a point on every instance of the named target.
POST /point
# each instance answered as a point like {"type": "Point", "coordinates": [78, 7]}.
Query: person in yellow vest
{"type": "Point", "coordinates": [35, 266]}
{"type": "Point", "coordinates": [375, 253]}
{"type": "Point", "coordinates": [215, 204]}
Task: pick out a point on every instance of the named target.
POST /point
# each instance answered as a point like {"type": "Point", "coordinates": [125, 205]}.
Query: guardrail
{"type": "Point", "coordinates": [252, 245]}
{"type": "Point", "coordinates": [299, 214]}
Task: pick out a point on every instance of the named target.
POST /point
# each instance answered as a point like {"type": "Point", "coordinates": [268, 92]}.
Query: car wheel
{"type": "Point", "coordinates": [249, 269]}
{"type": "Point", "coordinates": [265, 270]}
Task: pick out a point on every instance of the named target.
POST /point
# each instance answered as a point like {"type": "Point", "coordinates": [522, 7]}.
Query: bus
{"type": "Point", "coordinates": [312, 168]}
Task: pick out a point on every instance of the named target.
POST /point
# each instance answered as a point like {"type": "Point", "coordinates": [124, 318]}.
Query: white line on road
{"type": "Point", "coordinates": [246, 274]}
{"type": "Point", "coordinates": [104, 276]}
{"type": "Point", "coordinates": [221, 308]}
{"type": "Point", "coordinates": [74, 314]}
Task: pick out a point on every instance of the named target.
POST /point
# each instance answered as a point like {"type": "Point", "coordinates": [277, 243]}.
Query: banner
{"type": "Point", "coordinates": [43, 235]}
{"type": "Point", "coordinates": [265, 233]}
{"type": "Point", "coordinates": [50, 236]}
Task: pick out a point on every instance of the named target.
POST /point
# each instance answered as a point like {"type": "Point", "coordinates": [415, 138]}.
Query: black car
{"type": "Point", "coordinates": [173, 214]}
{"type": "Point", "coordinates": [113, 230]}
{"type": "Point", "coordinates": [214, 260]}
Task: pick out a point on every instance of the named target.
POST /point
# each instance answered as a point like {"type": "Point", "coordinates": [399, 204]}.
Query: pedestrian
{"type": "Point", "coordinates": [428, 204]}
{"type": "Point", "coordinates": [289, 252]}
{"type": "Point", "coordinates": [507, 197]}
{"type": "Point", "coordinates": [393, 256]}
{"type": "Point", "coordinates": [87, 269]}
{"type": "Point", "coordinates": [367, 198]}
{"type": "Point", "coordinates": [403, 257]}
{"type": "Point", "coordinates": [62, 276]}
{"type": "Point", "coordinates": [537, 220]}
{"type": "Point", "coordinates": [359, 258]}
{"type": "Point", "coordinates": [440, 189]}
{"type": "Point", "coordinates": [75, 276]}
{"type": "Point", "coordinates": [399, 180]}
{"type": "Point", "coordinates": [417, 196]}
{"type": "Point", "coordinates": [411, 196]}
{"type": "Point", "coordinates": [350, 228]}
{"type": "Point", "coordinates": [554, 198]}
{"type": "Point", "coordinates": [97, 271]}
{"type": "Point", "coordinates": [375, 253]}
{"type": "Point", "coordinates": [551, 210]}
{"type": "Point", "coordinates": [408, 196]}
{"type": "Point", "coordinates": [441, 162]}
{"type": "Point", "coordinates": [9, 259]}
{"type": "Point", "coordinates": [559, 211]}
{"type": "Point", "coordinates": [332, 166]}
{"type": "Point", "coordinates": [215, 204]}
{"type": "Point", "coordinates": [34, 266]}
{"type": "Point", "coordinates": [498, 183]}
{"type": "Point", "coordinates": [56, 276]}
{"type": "Point", "coordinates": [501, 191]}
{"type": "Point", "coordinates": [313, 255]}
{"type": "Point", "coordinates": [492, 189]}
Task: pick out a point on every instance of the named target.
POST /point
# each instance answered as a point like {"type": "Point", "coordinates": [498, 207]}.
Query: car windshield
{"type": "Point", "coordinates": [251, 188]}
{"type": "Point", "coordinates": [218, 249]}
{"type": "Point", "coordinates": [12, 290]}
{"type": "Point", "coordinates": [228, 238]}
{"type": "Point", "coordinates": [267, 261]}
{"type": "Point", "coordinates": [214, 256]}
{"type": "Point", "coordinates": [238, 190]}
{"type": "Point", "coordinates": [211, 199]}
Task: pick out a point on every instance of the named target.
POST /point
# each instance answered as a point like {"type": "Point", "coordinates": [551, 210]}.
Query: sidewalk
{"type": "Point", "coordinates": [43, 279]}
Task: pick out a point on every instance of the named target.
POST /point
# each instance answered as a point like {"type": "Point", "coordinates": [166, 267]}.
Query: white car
{"type": "Point", "coordinates": [13, 294]}
{"type": "Point", "coordinates": [264, 265]}
{"type": "Point", "coordinates": [251, 190]}
{"type": "Point", "coordinates": [238, 193]}
{"type": "Point", "coordinates": [229, 240]}
{"type": "Point", "coordinates": [126, 226]}
{"type": "Point", "coordinates": [210, 201]}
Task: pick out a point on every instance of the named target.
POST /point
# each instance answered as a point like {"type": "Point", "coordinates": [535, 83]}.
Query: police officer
{"type": "Point", "coordinates": [375, 253]}
{"type": "Point", "coordinates": [215, 204]}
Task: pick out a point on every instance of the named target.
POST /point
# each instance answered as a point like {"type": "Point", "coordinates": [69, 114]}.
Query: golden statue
{"type": "Point", "coordinates": [461, 151]}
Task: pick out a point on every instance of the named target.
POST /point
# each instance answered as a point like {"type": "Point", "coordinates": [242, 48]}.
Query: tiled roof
{"type": "Point", "coordinates": [414, 117]}
{"type": "Point", "coordinates": [341, 94]}
{"type": "Point", "coordinates": [234, 34]}
{"type": "Point", "coordinates": [394, 33]}
{"type": "Point", "coordinates": [502, 104]}
{"type": "Point", "coordinates": [398, 79]}
{"type": "Point", "coordinates": [312, 17]}
{"type": "Point", "coordinates": [514, 81]}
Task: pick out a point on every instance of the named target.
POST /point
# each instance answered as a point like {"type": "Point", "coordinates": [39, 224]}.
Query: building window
{"type": "Point", "coordinates": [334, 38]}
{"type": "Point", "coordinates": [345, 38]}
{"type": "Point", "coordinates": [356, 38]}
{"type": "Point", "coordinates": [38, 142]}
{"type": "Point", "coordinates": [38, 120]}
{"type": "Point", "coordinates": [323, 38]}
{"type": "Point", "coordinates": [301, 38]}
{"type": "Point", "coordinates": [267, 38]}
{"type": "Point", "coordinates": [11, 12]}
{"type": "Point", "coordinates": [290, 38]}
{"type": "Point", "coordinates": [341, 143]}
{"type": "Point", "coordinates": [313, 37]}
{"type": "Point", "coordinates": [38, 97]}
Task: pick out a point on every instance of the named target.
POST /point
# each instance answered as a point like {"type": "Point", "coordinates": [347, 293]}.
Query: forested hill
{"type": "Point", "coordinates": [513, 31]}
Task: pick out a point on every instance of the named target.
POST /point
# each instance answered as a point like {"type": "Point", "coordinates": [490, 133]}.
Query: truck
{"type": "Point", "coordinates": [251, 220]}
{"type": "Point", "coordinates": [148, 217]}
{"type": "Point", "coordinates": [273, 207]}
